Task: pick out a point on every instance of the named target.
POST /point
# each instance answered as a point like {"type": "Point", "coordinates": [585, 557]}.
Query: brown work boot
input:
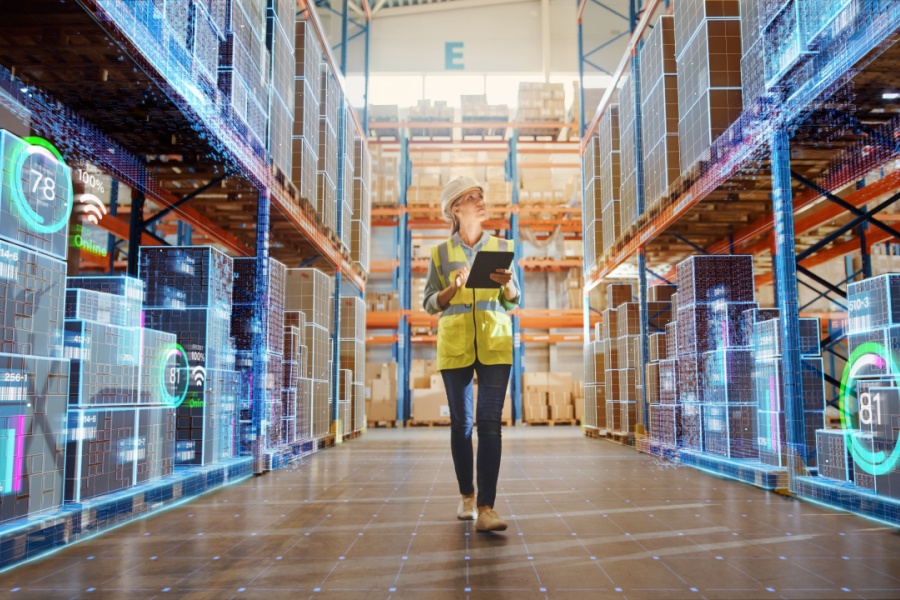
{"type": "Point", "coordinates": [467, 510]}
{"type": "Point", "coordinates": [488, 520]}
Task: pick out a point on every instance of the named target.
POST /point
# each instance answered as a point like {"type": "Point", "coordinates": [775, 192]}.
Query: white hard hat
{"type": "Point", "coordinates": [454, 189]}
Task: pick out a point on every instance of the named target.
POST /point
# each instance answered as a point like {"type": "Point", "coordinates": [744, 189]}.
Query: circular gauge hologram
{"type": "Point", "coordinates": [174, 375]}
{"type": "Point", "coordinates": [40, 182]}
{"type": "Point", "coordinates": [857, 410]}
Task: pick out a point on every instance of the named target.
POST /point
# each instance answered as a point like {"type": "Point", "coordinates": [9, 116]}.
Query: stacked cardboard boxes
{"type": "Point", "coordinates": [541, 102]}
{"type": "Point", "coordinates": [381, 392]}
{"type": "Point", "coordinates": [280, 41]}
{"type": "Point", "coordinates": [246, 294]}
{"type": "Point", "coordinates": [660, 297]}
{"type": "Point", "coordinates": [659, 111]}
{"type": "Point", "coordinates": [382, 301]}
{"type": "Point", "coordinates": [551, 397]}
{"type": "Point", "coordinates": [384, 113]}
{"type": "Point", "coordinates": [360, 242]}
{"type": "Point", "coordinates": [769, 389]}
{"type": "Point", "coordinates": [385, 169]}
{"type": "Point", "coordinates": [619, 384]}
{"type": "Point", "coordinates": [592, 204]}
{"type": "Point", "coordinates": [425, 112]}
{"type": "Point", "coordinates": [311, 292]}
{"type": "Point", "coordinates": [629, 113]}
{"type": "Point", "coordinates": [329, 154]}
{"type": "Point", "coordinates": [609, 175]}
{"type": "Point", "coordinates": [708, 56]}
{"type": "Point", "coordinates": [713, 362]}
{"type": "Point", "coordinates": [538, 188]}
{"type": "Point", "coordinates": [189, 293]}
{"type": "Point", "coordinates": [594, 386]}
{"type": "Point", "coordinates": [121, 412]}
{"type": "Point", "coordinates": [245, 70]}
{"type": "Point", "coordinates": [476, 109]}
{"type": "Point", "coordinates": [353, 358]}
{"type": "Point", "coordinates": [305, 132]}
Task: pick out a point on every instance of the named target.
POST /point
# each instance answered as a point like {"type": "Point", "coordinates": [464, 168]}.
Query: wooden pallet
{"type": "Point", "coordinates": [382, 424]}
{"type": "Point", "coordinates": [352, 435]}
{"type": "Point", "coordinates": [592, 433]}
{"type": "Point", "coordinates": [437, 423]}
{"type": "Point", "coordinates": [551, 423]}
{"type": "Point", "coordinates": [622, 437]}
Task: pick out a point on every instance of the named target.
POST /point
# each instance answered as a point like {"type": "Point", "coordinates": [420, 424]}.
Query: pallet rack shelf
{"type": "Point", "coordinates": [788, 182]}
{"type": "Point", "coordinates": [505, 218]}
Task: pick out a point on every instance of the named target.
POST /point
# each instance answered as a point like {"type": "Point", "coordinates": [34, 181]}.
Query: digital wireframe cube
{"type": "Point", "coordinates": [730, 430]}
{"type": "Point", "coordinates": [312, 292]}
{"type": "Point", "coordinates": [651, 382]}
{"type": "Point", "coordinates": [36, 197]}
{"type": "Point", "coordinates": [709, 84]}
{"type": "Point", "coordinates": [715, 326]}
{"type": "Point", "coordinates": [879, 416]}
{"type": "Point", "coordinates": [113, 449]}
{"type": "Point", "coordinates": [833, 455]}
{"type": "Point", "coordinates": [668, 381]}
{"type": "Point", "coordinates": [708, 278]}
{"type": "Point", "coordinates": [186, 277]}
{"type": "Point", "coordinates": [34, 393]}
{"type": "Point", "coordinates": [321, 408]}
{"type": "Point", "coordinates": [692, 426]}
{"type": "Point", "coordinates": [672, 338]}
{"type": "Point", "coordinates": [629, 111]}
{"type": "Point", "coordinates": [246, 296]}
{"type": "Point", "coordinates": [657, 347]}
{"type": "Point", "coordinates": [131, 290]}
{"type": "Point", "coordinates": [659, 110]}
{"type": "Point", "coordinates": [767, 342]}
{"type": "Point", "coordinates": [32, 302]}
{"type": "Point", "coordinates": [727, 376]}
{"type": "Point", "coordinates": [747, 321]}
{"type": "Point", "coordinates": [874, 303]}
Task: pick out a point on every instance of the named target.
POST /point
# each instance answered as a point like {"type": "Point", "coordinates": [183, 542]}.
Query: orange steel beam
{"type": "Point", "coordinates": [847, 173]}
{"type": "Point", "coordinates": [521, 209]}
{"type": "Point", "coordinates": [649, 11]}
{"type": "Point", "coordinates": [367, 9]}
{"type": "Point", "coordinates": [879, 189]}
{"type": "Point", "coordinates": [383, 266]}
{"type": "Point", "coordinates": [420, 265]}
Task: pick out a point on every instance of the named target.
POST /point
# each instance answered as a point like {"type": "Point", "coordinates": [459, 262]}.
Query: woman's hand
{"type": "Point", "coordinates": [504, 278]}
{"type": "Point", "coordinates": [462, 276]}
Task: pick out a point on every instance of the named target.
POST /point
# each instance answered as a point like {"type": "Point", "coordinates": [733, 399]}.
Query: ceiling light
{"type": "Point", "coordinates": [890, 96]}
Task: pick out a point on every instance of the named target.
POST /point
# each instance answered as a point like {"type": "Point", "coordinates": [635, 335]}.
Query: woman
{"type": "Point", "coordinates": [474, 336]}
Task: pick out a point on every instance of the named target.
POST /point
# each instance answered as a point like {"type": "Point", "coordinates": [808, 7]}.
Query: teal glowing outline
{"type": "Point", "coordinates": [873, 463]}
{"type": "Point", "coordinates": [171, 400]}
{"type": "Point", "coordinates": [20, 155]}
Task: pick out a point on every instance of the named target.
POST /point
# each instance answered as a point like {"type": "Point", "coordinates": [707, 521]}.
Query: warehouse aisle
{"type": "Point", "coordinates": [375, 518]}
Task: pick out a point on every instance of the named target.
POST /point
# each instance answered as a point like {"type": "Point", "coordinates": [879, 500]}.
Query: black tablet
{"type": "Point", "coordinates": [485, 264]}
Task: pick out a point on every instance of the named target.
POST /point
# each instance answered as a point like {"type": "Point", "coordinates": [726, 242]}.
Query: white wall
{"type": "Point", "coordinates": [498, 36]}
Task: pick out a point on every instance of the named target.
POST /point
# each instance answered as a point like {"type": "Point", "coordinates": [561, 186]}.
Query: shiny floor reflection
{"type": "Point", "coordinates": [376, 518]}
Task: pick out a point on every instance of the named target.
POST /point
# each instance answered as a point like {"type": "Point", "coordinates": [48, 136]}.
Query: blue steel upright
{"type": "Point", "coordinates": [260, 327]}
{"type": "Point", "coordinates": [336, 322]}
{"type": "Point", "coordinates": [639, 197]}
{"type": "Point", "coordinates": [402, 279]}
{"type": "Point", "coordinates": [512, 175]}
{"type": "Point", "coordinates": [786, 299]}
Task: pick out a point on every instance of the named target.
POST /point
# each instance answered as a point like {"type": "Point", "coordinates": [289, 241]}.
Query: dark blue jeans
{"type": "Point", "coordinates": [492, 383]}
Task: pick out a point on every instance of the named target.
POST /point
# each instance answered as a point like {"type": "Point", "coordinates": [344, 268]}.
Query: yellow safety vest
{"type": "Point", "coordinates": [475, 323]}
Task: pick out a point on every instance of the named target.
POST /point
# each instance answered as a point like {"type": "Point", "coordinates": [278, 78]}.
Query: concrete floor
{"type": "Point", "coordinates": [376, 518]}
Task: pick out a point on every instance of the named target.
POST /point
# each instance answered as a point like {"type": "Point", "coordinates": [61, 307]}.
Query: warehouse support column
{"type": "Point", "coordinates": [786, 299]}
{"type": "Point", "coordinates": [404, 273]}
{"type": "Point", "coordinates": [337, 426]}
{"type": "Point", "coordinates": [515, 376]}
{"type": "Point", "coordinates": [113, 211]}
{"type": "Point", "coordinates": [135, 230]}
{"type": "Point", "coordinates": [260, 331]}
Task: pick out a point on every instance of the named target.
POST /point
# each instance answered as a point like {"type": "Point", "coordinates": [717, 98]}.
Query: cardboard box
{"type": "Point", "coordinates": [535, 413]}
{"type": "Point", "coordinates": [420, 383]}
{"type": "Point", "coordinates": [382, 390]}
{"type": "Point", "coordinates": [381, 411]}
{"type": "Point", "coordinates": [534, 398]}
{"type": "Point", "coordinates": [437, 381]}
{"type": "Point", "coordinates": [559, 382]}
{"type": "Point", "coordinates": [430, 405]}
{"type": "Point", "coordinates": [579, 409]}
{"type": "Point", "coordinates": [562, 413]}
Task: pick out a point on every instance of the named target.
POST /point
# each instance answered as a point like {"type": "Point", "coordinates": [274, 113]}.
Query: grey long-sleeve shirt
{"type": "Point", "coordinates": [433, 280]}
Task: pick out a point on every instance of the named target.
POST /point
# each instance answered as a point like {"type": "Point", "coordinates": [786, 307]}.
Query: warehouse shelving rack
{"type": "Point", "coordinates": [128, 110]}
{"type": "Point", "coordinates": [773, 151]}
{"type": "Point", "coordinates": [405, 219]}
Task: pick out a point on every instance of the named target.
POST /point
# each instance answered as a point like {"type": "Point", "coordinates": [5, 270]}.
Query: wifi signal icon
{"type": "Point", "coordinates": [91, 207]}
{"type": "Point", "coordinates": [198, 376]}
